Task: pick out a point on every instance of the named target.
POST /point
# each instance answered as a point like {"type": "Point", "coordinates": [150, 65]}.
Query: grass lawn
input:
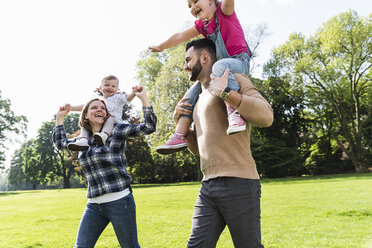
{"type": "Point", "coordinates": [326, 211]}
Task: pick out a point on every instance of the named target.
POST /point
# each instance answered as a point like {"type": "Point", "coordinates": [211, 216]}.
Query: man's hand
{"type": "Point", "coordinates": [180, 110]}
{"type": "Point", "coordinates": [218, 84]}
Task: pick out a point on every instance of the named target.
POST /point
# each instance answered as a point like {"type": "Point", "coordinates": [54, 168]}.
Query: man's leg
{"type": "Point", "coordinates": [239, 203]}
{"type": "Point", "coordinates": [207, 222]}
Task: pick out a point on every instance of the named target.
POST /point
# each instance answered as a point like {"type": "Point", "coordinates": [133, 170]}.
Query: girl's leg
{"type": "Point", "coordinates": [177, 141]}
{"type": "Point", "coordinates": [106, 131]}
{"type": "Point", "coordinates": [81, 144]}
{"type": "Point", "coordinates": [236, 122]}
{"type": "Point", "coordinates": [92, 224]}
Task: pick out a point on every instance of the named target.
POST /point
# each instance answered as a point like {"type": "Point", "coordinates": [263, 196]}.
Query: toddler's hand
{"type": "Point", "coordinates": [137, 88]}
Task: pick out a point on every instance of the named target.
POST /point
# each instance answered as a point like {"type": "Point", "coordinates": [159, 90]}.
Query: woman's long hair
{"type": "Point", "coordinates": [84, 122]}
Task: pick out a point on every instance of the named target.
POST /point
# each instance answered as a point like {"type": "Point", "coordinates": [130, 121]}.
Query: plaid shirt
{"type": "Point", "coordinates": [105, 166]}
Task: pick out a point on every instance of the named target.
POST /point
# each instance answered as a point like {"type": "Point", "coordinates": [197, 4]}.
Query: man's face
{"type": "Point", "coordinates": [192, 64]}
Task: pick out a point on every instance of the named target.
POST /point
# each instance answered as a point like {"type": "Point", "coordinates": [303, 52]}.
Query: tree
{"type": "Point", "coordinates": [334, 69]}
{"type": "Point", "coordinates": [9, 124]}
{"type": "Point", "coordinates": [43, 161]}
{"type": "Point", "coordinates": [17, 180]}
{"type": "Point", "coordinates": [279, 149]}
{"type": "Point", "coordinates": [163, 75]}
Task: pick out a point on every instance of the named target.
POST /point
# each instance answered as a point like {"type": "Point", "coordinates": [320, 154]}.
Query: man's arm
{"type": "Point", "coordinates": [250, 104]}
{"type": "Point", "coordinates": [190, 136]}
{"type": "Point", "coordinates": [253, 106]}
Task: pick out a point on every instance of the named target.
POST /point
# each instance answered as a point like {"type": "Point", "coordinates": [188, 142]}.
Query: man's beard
{"type": "Point", "coordinates": [195, 71]}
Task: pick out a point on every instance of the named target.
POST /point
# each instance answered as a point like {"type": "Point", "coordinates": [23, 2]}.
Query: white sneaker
{"type": "Point", "coordinates": [236, 123]}
{"type": "Point", "coordinates": [79, 145]}
{"type": "Point", "coordinates": [100, 138]}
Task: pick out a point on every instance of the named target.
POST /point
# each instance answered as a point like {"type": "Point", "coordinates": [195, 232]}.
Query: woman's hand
{"type": "Point", "coordinates": [180, 110]}
{"type": "Point", "coordinates": [142, 95]}
{"type": "Point", "coordinates": [62, 112]}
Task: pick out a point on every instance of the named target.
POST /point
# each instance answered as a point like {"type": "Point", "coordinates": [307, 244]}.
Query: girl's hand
{"type": "Point", "coordinates": [155, 49]}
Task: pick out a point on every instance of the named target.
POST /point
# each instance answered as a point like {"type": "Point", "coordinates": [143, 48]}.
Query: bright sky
{"type": "Point", "coordinates": [54, 52]}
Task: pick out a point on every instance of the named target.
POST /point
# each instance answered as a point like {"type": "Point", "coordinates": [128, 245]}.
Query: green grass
{"type": "Point", "coordinates": [327, 211]}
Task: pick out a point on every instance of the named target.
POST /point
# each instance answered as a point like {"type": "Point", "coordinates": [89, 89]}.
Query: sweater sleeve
{"type": "Point", "coordinates": [253, 108]}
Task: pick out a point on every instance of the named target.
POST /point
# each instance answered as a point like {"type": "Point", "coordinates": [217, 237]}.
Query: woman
{"type": "Point", "coordinates": [109, 193]}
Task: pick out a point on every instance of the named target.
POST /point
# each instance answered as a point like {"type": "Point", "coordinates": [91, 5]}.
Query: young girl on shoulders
{"type": "Point", "coordinates": [217, 21]}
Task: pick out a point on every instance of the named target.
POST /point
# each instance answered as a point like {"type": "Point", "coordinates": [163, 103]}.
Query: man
{"type": "Point", "coordinates": [230, 192]}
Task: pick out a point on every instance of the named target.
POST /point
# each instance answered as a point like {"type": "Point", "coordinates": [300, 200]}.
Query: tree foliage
{"type": "Point", "coordinates": [9, 124]}
{"type": "Point", "coordinates": [17, 180]}
{"type": "Point", "coordinates": [163, 75]}
{"type": "Point", "coordinates": [334, 69]}
{"type": "Point", "coordinates": [43, 161]}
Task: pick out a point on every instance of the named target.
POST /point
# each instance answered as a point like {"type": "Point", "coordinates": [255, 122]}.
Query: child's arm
{"type": "Point", "coordinates": [227, 7]}
{"type": "Point", "coordinates": [77, 108]}
{"type": "Point", "coordinates": [176, 39]}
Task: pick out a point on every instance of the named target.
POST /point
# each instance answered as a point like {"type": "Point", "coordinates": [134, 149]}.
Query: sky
{"type": "Point", "coordinates": [54, 52]}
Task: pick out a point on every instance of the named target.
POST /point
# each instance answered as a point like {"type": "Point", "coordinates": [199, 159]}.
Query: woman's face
{"type": "Point", "coordinates": [96, 113]}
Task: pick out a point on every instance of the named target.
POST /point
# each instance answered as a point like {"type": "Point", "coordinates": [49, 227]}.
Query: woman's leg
{"type": "Point", "coordinates": [92, 224]}
{"type": "Point", "coordinates": [122, 214]}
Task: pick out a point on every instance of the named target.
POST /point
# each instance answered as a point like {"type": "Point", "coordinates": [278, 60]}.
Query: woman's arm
{"type": "Point", "coordinates": [59, 135]}
{"type": "Point", "coordinates": [123, 130]}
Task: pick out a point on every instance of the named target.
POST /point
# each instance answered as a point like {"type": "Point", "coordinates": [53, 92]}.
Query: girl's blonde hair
{"type": "Point", "coordinates": [84, 122]}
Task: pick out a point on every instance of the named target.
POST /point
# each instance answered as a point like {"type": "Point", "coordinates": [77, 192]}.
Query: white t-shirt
{"type": "Point", "coordinates": [115, 105]}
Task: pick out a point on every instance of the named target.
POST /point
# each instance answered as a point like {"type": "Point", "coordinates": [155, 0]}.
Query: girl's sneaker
{"type": "Point", "coordinates": [236, 123]}
{"type": "Point", "coordinates": [79, 145]}
{"type": "Point", "coordinates": [100, 138]}
{"type": "Point", "coordinates": [174, 144]}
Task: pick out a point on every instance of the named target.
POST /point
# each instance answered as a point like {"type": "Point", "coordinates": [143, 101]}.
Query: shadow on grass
{"type": "Point", "coordinates": [156, 185]}
{"type": "Point", "coordinates": [304, 179]}
{"type": "Point", "coordinates": [2, 194]}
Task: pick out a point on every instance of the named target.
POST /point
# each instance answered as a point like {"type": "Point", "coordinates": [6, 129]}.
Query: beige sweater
{"type": "Point", "coordinates": [223, 155]}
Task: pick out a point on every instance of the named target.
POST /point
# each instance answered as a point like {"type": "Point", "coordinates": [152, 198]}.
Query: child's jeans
{"type": "Point", "coordinates": [236, 64]}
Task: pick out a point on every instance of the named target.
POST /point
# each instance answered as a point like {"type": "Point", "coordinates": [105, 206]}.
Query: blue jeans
{"type": "Point", "coordinates": [236, 64]}
{"type": "Point", "coordinates": [230, 201]}
{"type": "Point", "coordinates": [121, 213]}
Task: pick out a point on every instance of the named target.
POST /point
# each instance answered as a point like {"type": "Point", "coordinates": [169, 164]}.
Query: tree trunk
{"type": "Point", "coordinates": [358, 162]}
{"type": "Point", "coordinates": [66, 183]}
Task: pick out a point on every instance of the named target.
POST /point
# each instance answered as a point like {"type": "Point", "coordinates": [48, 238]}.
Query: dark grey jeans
{"type": "Point", "coordinates": [230, 201]}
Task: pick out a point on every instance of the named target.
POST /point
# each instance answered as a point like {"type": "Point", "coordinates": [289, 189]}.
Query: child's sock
{"type": "Point", "coordinates": [236, 122]}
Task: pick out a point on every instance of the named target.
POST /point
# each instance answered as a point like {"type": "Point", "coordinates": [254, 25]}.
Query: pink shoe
{"type": "Point", "coordinates": [236, 123]}
{"type": "Point", "coordinates": [174, 144]}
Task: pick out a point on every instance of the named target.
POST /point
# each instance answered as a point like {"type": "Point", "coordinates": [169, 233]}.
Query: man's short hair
{"type": "Point", "coordinates": [205, 44]}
